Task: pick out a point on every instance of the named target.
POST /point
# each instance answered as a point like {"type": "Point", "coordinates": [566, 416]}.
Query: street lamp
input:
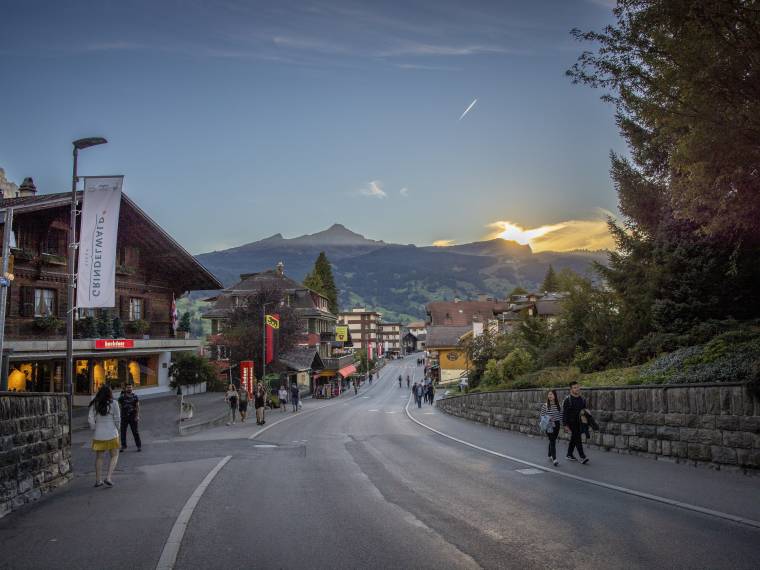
{"type": "Point", "coordinates": [78, 144]}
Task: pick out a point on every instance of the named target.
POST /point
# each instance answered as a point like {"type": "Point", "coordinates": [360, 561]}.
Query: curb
{"type": "Point", "coordinates": [187, 429]}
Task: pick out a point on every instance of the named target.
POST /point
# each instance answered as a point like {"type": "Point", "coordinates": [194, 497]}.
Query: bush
{"type": "Point", "coordinates": [517, 362]}
{"type": "Point", "coordinates": [190, 368]}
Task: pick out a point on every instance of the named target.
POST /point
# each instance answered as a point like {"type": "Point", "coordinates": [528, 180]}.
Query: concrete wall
{"type": "Point", "coordinates": [35, 447]}
{"type": "Point", "coordinates": [717, 424]}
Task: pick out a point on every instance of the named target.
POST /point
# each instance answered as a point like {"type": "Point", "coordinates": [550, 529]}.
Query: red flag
{"type": "Point", "coordinates": [270, 340]}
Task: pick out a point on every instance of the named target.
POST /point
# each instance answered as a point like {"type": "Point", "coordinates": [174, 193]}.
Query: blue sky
{"type": "Point", "coordinates": [234, 120]}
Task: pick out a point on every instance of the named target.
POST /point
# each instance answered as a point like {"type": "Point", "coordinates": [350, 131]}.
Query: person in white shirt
{"type": "Point", "coordinates": [283, 395]}
{"type": "Point", "coordinates": [104, 417]}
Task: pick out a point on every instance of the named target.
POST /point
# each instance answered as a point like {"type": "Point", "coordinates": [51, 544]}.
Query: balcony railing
{"type": "Point", "coordinates": [339, 362]}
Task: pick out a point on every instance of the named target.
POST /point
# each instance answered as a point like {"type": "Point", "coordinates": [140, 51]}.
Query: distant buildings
{"type": "Point", "coordinates": [364, 328]}
{"type": "Point", "coordinates": [389, 337]}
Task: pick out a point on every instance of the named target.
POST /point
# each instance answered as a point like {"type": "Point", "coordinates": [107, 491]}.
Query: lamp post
{"type": "Point", "coordinates": [69, 372]}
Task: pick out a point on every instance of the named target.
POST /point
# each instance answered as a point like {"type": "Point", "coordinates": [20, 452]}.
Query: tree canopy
{"type": "Point", "coordinates": [321, 280]}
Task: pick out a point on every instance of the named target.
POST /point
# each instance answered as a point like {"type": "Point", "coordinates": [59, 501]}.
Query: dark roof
{"type": "Point", "coordinates": [460, 313]}
{"type": "Point", "coordinates": [548, 308]}
{"type": "Point", "coordinates": [145, 233]}
{"type": "Point", "coordinates": [302, 358]}
{"type": "Point", "coordinates": [302, 299]}
{"type": "Point", "coordinates": [443, 336]}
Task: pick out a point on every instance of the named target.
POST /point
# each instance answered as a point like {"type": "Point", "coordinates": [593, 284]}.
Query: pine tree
{"type": "Point", "coordinates": [322, 281]}
{"type": "Point", "coordinates": [550, 281]}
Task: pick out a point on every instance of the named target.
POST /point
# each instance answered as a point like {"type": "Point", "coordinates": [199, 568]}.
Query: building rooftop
{"type": "Point", "coordinates": [446, 336]}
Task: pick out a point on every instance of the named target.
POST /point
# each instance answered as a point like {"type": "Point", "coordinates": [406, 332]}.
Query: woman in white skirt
{"type": "Point", "coordinates": [104, 417]}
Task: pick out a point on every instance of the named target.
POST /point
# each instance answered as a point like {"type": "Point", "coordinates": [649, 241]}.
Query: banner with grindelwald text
{"type": "Point", "coordinates": [96, 271]}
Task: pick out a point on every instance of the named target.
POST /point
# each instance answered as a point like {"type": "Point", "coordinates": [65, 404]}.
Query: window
{"type": "Point", "coordinates": [84, 313]}
{"type": "Point", "coordinates": [44, 302]}
{"type": "Point", "coordinates": [135, 309]}
{"type": "Point", "coordinates": [55, 243]}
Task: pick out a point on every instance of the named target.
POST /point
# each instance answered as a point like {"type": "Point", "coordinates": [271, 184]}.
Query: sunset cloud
{"type": "Point", "coordinates": [443, 242]}
{"type": "Point", "coordinates": [563, 236]}
{"type": "Point", "coordinates": [373, 189]}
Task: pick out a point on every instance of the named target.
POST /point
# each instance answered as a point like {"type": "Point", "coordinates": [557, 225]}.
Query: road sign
{"type": "Point", "coordinates": [273, 321]}
{"type": "Point", "coordinates": [4, 282]}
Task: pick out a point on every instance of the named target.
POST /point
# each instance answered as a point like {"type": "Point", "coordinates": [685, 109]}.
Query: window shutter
{"type": "Point", "coordinates": [146, 309]}
{"type": "Point", "coordinates": [124, 307]}
{"type": "Point", "coordinates": [26, 306]}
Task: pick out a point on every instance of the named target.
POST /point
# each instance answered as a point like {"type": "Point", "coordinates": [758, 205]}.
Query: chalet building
{"type": "Point", "coordinates": [364, 327]}
{"type": "Point", "coordinates": [448, 358]}
{"type": "Point", "coordinates": [152, 269]}
{"type": "Point", "coordinates": [311, 363]}
{"type": "Point", "coordinates": [389, 337]}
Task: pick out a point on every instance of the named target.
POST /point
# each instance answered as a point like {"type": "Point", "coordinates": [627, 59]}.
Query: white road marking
{"type": "Point", "coordinates": [264, 445]}
{"type": "Point", "coordinates": [529, 471]}
{"type": "Point", "coordinates": [174, 541]}
{"type": "Point", "coordinates": [618, 488]}
{"type": "Point", "coordinates": [390, 412]}
{"type": "Point", "coordinates": [373, 410]}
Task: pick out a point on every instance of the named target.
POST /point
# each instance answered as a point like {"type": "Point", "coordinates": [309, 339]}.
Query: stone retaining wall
{"type": "Point", "coordinates": [35, 447]}
{"type": "Point", "coordinates": [717, 424]}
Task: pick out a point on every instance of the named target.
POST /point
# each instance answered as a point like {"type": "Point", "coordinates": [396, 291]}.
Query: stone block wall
{"type": "Point", "coordinates": [717, 424]}
{"type": "Point", "coordinates": [35, 447]}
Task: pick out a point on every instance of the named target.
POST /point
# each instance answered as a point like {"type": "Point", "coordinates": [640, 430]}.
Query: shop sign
{"type": "Point", "coordinates": [341, 333]}
{"type": "Point", "coordinates": [246, 376]}
{"type": "Point", "coordinates": [111, 343]}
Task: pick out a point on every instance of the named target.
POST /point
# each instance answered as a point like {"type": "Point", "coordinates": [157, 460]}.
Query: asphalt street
{"type": "Point", "coordinates": [354, 483]}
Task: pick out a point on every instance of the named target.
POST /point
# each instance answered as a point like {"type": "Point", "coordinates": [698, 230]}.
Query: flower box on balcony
{"type": "Point", "coordinates": [53, 259]}
{"type": "Point", "coordinates": [21, 254]}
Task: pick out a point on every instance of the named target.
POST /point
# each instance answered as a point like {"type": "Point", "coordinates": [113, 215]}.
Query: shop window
{"type": "Point", "coordinates": [136, 309]}
{"type": "Point", "coordinates": [81, 377]}
{"type": "Point", "coordinates": [44, 302]}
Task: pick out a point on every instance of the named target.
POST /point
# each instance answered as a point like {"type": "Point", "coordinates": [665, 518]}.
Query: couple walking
{"type": "Point", "coordinates": [573, 416]}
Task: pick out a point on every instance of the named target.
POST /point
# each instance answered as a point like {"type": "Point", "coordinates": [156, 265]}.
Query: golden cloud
{"type": "Point", "coordinates": [443, 242]}
{"type": "Point", "coordinates": [563, 236]}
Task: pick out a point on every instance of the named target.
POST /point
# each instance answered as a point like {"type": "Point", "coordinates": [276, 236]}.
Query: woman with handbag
{"type": "Point", "coordinates": [549, 422]}
{"type": "Point", "coordinates": [104, 417]}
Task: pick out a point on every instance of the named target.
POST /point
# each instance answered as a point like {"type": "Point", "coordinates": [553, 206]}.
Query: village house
{"type": "Point", "coordinates": [311, 363]}
{"type": "Point", "coordinates": [152, 270]}
{"type": "Point", "coordinates": [389, 337]}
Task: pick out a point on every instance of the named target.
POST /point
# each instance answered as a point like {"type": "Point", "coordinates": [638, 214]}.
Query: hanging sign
{"type": "Point", "coordinates": [341, 333]}
{"type": "Point", "coordinates": [273, 321]}
{"type": "Point", "coordinates": [96, 271]}
{"type": "Point", "coordinates": [246, 376]}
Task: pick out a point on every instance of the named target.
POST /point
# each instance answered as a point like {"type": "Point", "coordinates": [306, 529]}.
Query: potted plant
{"type": "Point", "coordinates": [86, 328]}
{"type": "Point", "coordinates": [140, 327]}
{"type": "Point", "coordinates": [183, 329]}
{"type": "Point", "coordinates": [49, 324]}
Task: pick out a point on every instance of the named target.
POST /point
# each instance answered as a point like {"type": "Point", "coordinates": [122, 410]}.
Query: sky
{"type": "Point", "coordinates": [234, 120]}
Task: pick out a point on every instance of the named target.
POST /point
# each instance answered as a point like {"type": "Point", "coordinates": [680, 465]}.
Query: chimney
{"type": "Point", "coordinates": [280, 269]}
{"type": "Point", "coordinates": [27, 188]}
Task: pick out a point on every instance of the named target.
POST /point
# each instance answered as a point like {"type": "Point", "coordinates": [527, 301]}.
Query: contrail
{"type": "Point", "coordinates": [467, 110]}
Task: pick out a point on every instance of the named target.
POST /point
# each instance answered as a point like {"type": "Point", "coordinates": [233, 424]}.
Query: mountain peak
{"type": "Point", "coordinates": [336, 234]}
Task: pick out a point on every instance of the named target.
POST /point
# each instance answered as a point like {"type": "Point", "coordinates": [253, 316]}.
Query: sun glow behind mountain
{"type": "Point", "coordinates": [563, 236]}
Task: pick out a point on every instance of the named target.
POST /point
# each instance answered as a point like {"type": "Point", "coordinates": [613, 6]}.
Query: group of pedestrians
{"type": "Point", "coordinates": [573, 416]}
{"type": "Point", "coordinates": [423, 390]}
{"type": "Point", "coordinates": [109, 421]}
{"type": "Point", "coordinates": [237, 400]}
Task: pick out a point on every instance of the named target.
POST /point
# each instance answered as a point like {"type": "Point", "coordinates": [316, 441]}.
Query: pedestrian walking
{"type": "Point", "coordinates": [283, 395]}
{"type": "Point", "coordinates": [294, 396]}
{"type": "Point", "coordinates": [104, 417]}
{"type": "Point", "coordinates": [231, 397]}
{"type": "Point", "coordinates": [370, 378]}
{"type": "Point", "coordinates": [550, 418]}
{"type": "Point", "coordinates": [259, 401]}
{"type": "Point", "coordinates": [243, 403]}
{"type": "Point", "coordinates": [572, 417]}
{"type": "Point", "coordinates": [431, 389]}
{"type": "Point", "coordinates": [129, 407]}
{"type": "Point", "coordinates": [356, 386]}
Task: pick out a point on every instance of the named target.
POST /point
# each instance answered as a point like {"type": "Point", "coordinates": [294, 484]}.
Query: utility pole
{"type": "Point", "coordinates": [5, 282]}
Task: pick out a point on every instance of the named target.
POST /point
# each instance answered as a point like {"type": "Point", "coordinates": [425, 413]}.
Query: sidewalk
{"type": "Point", "coordinates": [159, 417]}
{"type": "Point", "coordinates": [723, 491]}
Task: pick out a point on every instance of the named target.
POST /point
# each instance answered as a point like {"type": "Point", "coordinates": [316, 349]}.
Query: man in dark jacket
{"type": "Point", "coordinates": [572, 407]}
{"type": "Point", "coordinates": [295, 394]}
{"type": "Point", "coordinates": [130, 416]}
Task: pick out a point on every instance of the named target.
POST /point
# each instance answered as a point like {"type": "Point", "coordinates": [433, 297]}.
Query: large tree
{"type": "Point", "coordinates": [322, 281]}
{"type": "Point", "coordinates": [684, 77]}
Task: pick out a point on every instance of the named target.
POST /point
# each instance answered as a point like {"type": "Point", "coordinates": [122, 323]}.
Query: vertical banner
{"type": "Point", "coordinates": [96, 271]}
{"type": "Point", "coordinates": [246, 376]}
{"type": "Point", "coordinates": [273, 323]}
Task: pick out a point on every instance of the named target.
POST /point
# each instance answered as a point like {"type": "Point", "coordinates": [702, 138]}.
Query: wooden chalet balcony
{"type": "Point", "coordinates": [338, 362]}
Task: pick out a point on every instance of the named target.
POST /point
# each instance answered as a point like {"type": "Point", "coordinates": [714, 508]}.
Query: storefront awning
{"type": "Point", "coordinates": [346, 371]}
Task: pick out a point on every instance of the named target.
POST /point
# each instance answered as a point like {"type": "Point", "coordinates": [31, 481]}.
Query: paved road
{"type": "Point", "coordinates": [354, 483]}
